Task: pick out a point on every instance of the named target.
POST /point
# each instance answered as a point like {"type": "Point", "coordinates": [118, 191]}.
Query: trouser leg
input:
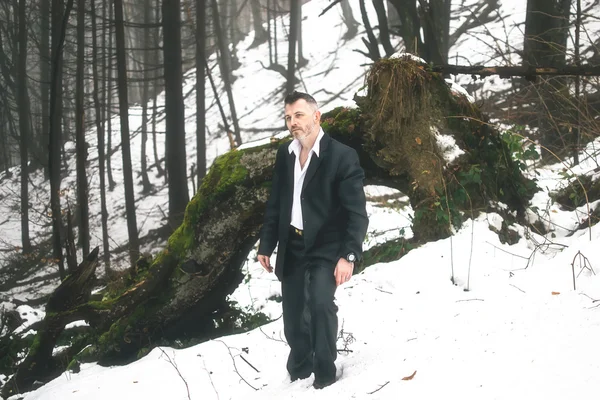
{"type": "Point", "coordinates": [296, 317]}
{"type": "Point", "coordinates": [324, 322]}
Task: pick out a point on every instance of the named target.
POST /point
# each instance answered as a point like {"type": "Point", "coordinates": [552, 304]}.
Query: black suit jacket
{"type": "Point", "coordinates": [333, 205]}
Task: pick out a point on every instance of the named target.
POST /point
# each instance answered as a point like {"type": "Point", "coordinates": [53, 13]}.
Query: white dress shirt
{"type": "Point", "coordinates": [299, 175]}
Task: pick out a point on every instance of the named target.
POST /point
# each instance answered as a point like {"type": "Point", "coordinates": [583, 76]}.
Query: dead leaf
{"type": "Point", "coordinates": [554, 211]}
{"type": "Point", "coordinates": [418, 140]}
{"type": "Point", "coordinates": [408, 378]}
{"type": "Point", "coordinates": [555, 293]}
{"type": "Point", "coordinates": [135, 381]}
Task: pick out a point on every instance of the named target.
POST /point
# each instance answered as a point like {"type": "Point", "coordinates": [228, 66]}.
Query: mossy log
{"type": "Point", "coordinates": [394, 132]}
{"type": "Point", "coordinates": [39, 365]}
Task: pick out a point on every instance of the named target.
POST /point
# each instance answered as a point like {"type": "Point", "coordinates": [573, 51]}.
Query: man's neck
{"type": "Point", "coordinates": [309, 142]}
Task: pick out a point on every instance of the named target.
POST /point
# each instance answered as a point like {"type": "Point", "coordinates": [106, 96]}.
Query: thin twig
{"type": "Point", "coordinates": [330, 6]}
{"type": "Point", "coordinates": [272, 338]}
{"type": "Point", "coordinates": [384, 291]}
{"type": "Point", "coordinates": [458, 301]}
{"type": "Point", "coordinates": [507, 252]}
{"type": "Point", "coordinates": [380, 387]}
{"type": "Point", "coordinates": [172, 362]}
{"type": "Point", "coordinates": [592, 299]}
{"type": "Point", "coordinates": [210, 377]}
{"type": "Point", "coordinates": [517, 288]}
{"type": "Point", "coordinates": [235, 366]}
{"type": "Point", "coordinates": [247, 362]}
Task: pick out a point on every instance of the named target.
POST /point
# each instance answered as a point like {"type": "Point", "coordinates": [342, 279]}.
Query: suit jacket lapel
{"type": "Point", "coordinates": [315, 161]}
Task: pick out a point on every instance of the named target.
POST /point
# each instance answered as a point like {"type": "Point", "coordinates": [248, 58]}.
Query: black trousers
{"type": "Point", "coordinates": [309, 314]}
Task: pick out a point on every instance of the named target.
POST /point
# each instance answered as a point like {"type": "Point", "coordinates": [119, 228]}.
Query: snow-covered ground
{"type": "Point", "coordinates": [511, 327]}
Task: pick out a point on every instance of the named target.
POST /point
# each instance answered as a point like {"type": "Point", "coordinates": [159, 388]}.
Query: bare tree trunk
{"type": "Point", "coordinates": [156, 61]}
{"type": "Point", "coordinates": [292, 41]}
{"type": "Point", "coordinates": [349, 20]}
{"type": "Point", "coordinates": [410, 26]}
{"type": "Point", "coordinates": [233, 36]}
{"type": "Point", "coordinates": [546, 32]}
{"type": "Point", "coordinates": [260, 34]}
{"type": "Point", "coordinates": [111, 181]}
{"type": "Point", "coordinates": [433, 23]}
{"type": "Point", "coordinates": [81, 145]}
{"type": "Point", "coordinates": [384, 32]}
{"type": "Point", "coordinates": [301, 60]}
{"type": "Point", "coordinates": [225, 69]}
{"type": "Point", "coordinates": [134, 246]}
{"type": "Point", "coordinates": [269, 13]}
{"type": "Point", "coordinates": [100, 135]}
{"type": "Point", "coordinates": [200, 85]}
{"type": "Point", "coordinates": [45, 79]}
{"type": "Point", "coordinates": [147, 186]}
{"type": "Point", "coordinates": [59, 27]}
{"type": "Point", "coordinates": [372, 46]}
{"type": "Point", "coordinates": [4, 143]}
{"type": "Point", "coordinates": [24, 118]}
{"type": "Point", "coordinates": [577, 130]}
{"type": "Point", "coordinates": [174, 113]}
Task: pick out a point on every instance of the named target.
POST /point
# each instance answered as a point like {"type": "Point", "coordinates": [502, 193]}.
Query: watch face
{"type": "Point", "coordinates": [351, 257]}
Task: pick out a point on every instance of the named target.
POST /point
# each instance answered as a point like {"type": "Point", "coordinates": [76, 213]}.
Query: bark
{"type": "Point", "coordinates": [233, 36]}
{"type": "Point", "coordinates": [546, 32]}
{"type": "Point", "coordinates": [436, 27]}
{"type": "Point", "coordinates": [4, 143]}
{"type": "Point", "coordinates": [157, 159]}
{"type": "Point", "coordinates": [81, 145]}
{"type": "Point", "coordinates": [45, 79]}
{"type": "Point", "coordinates": [108, 118]}
{"type": "Point", "coordinates": [384, 32]}
{"type": "Point", "coordinates": [134, 246]}
{"type": "Point", "coordinates": [349, 20]}
{"type": "Point", "coordinates": [260, 34]}
{"type": "Point", "coordinates": [371, 43]}
{"type": "Point", "coordinates": [527, 71]}
{"type": "Point", "coordinates": [302, 62]}
{"type": "Point", "coordinates": [174, 110]}
{"type": "Point", "coordinates": [146, 185]}
{"type": "Point", "coordinates": [292, 42]}
{"type": "Point", "coordinates": [200, 87]}
{"type": "Point", "coordinates": [60, 17]}
{"type": "Point", "coordinates": [181, 291]}
{"type": "Point", "coordinates": [410, 26]}
{"type": "Point", "coordinates": [24, 118]}
{"type": "Point", "coordinates": [225, 69]}
{"type": "Point", "coordinates": [100, 136]}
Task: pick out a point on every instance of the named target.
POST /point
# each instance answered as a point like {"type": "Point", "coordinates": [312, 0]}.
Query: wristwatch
{"type": "Point", "coordinates": [350, 257]}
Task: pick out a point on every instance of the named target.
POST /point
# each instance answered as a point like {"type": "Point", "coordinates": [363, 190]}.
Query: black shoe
{"type": "Point", "coordinates": [321, 385]}
{"type": "Point", "coordinates": [301, 376]}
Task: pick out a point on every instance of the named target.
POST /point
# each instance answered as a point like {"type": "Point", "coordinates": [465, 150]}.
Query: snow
{"type": "Point", "coordinates": [466, 317]}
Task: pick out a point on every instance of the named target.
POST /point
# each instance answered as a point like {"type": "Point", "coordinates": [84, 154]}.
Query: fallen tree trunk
{"type": "Point", "coordinates": [39, 365]}
{"type": "Point", "coordinates": [396, 132]}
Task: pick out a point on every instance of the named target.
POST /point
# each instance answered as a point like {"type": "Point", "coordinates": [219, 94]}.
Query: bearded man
{"type": "Point", "coordinates": [316, 213]}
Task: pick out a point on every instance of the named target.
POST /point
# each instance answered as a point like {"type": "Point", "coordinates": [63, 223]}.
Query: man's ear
{"type": "Point", "coordinates": [317, 116]}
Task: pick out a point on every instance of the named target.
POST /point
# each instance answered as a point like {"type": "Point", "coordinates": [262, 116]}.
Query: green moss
{"type": "Point", "coordinates": [574, 196]}
{"type": "Point", "coordinates": [142, 352]}
{"type": "Point", "coordinates": [386, 252]}
{"type": "Point", "coordinates": [102, 305]}
{"type": "Point", "coordinates": [11, 348]}
{"type": "Point", "coordinates": [74, 365]}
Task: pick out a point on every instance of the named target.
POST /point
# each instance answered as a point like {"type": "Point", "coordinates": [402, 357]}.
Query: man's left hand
{"type": "Point", "coordinates": [343, 271]}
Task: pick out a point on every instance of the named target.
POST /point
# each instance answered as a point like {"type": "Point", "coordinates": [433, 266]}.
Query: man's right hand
{"type": "Point", "coordinates": [265, 261]}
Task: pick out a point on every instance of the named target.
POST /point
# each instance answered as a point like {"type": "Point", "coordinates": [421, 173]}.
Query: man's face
{"type": "Point", "coordinates": [301, 119]}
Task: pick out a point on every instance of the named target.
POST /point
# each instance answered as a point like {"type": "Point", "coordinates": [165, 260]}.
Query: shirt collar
{"type": "Point", "coordinates": [295, 146]}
